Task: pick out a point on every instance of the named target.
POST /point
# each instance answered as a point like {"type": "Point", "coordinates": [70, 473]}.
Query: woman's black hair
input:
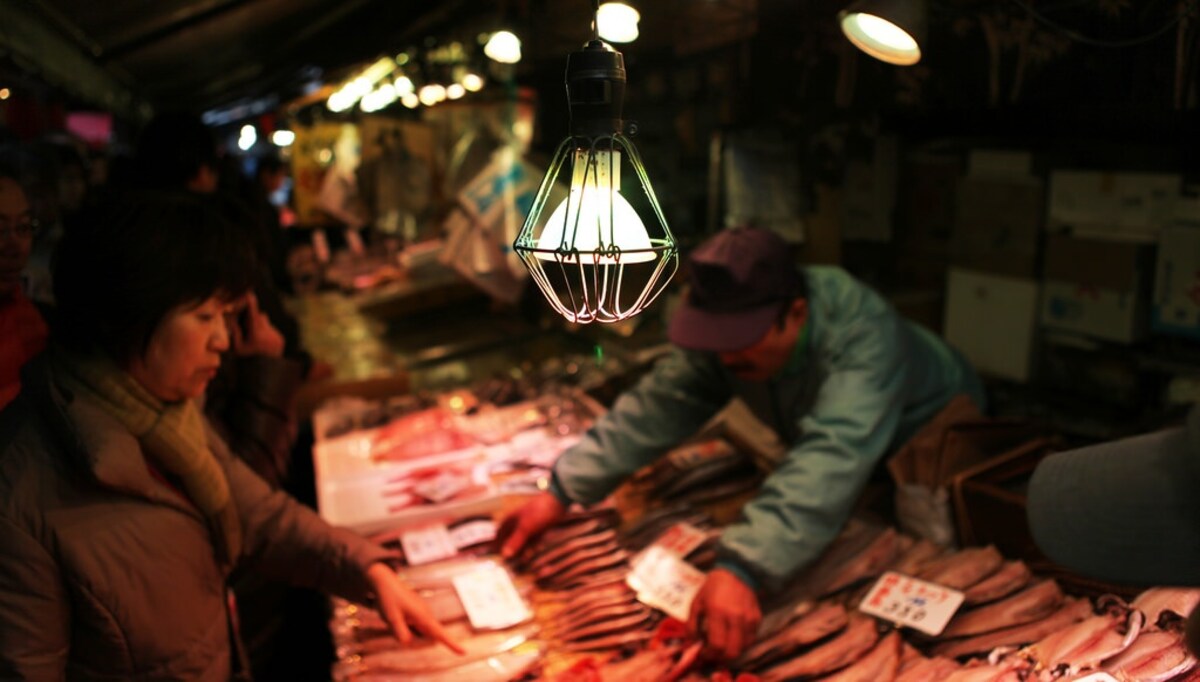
{"type": "Point", "coordinates": [144, 254]}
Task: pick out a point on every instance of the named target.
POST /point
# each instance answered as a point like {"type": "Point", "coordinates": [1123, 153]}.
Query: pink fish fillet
{"type": "Point", "coordinates": [926, 669]}
{"type": "Point", "coordinates": [1012, 576]}
{"type": "Point", "coordinates": [880, 665]}
{"type": "Point", "coordinates": [1155, 600]}
{"type": "Point", "coordinates": [1085, 644]}
{"type": "Point", "coordinates": [1072, 611]}
{"type": "Point", "coordinates": [963, 568]}
{"type": "Point", "coordinates": [856, 640]}
{"type": "Point", "coordinates": [1153, 657]}
{"type": "Point", "coordinates": [1033, 603]}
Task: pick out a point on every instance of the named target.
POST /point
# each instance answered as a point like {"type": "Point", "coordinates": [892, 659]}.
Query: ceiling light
{"type": "Point", "coordinates": [403, 84]}
{"type": "Point", "coordinates": [888, 30]}
{"type": "Point", "coordinates": [247, 137]}
{"type": "Point", "coordinates": [504, 47]}
{"type": "Point", "coordinates": [455, 91]}
{"type": "Point", "coordinates": [473, 82]}
{"type": "Point", "coordinates": [617, 22]}
{"type": "Point", "coordinates": [283, 138]}
{"type": "Point", "coordinates": [5, 93]}
{"type": "Point", "coordinates": [410, 100]}
{"type": "Point", "coordinates": [604, 252]}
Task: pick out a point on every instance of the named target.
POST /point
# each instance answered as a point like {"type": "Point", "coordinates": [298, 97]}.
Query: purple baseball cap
{"type": "Point", "coordinates": [738, 281]}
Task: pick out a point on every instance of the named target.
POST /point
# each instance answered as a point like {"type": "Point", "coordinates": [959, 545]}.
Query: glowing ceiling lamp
{"type": "Point", "coordinates": [504, 47]}
{"type": "Point", "coordinates": [617, 22]}
{"type": "Point", "coordinates": [605, 251]}
{"type": "Point", "coordinates": [888, 30]}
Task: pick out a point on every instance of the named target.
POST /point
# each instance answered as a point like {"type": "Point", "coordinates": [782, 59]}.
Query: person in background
{"type": "Point", "coordinates": [23, 331]}
{"type": "Point", "coordinates": [825, 361]}
{"type": "Point", "coordinates": [123, 514]}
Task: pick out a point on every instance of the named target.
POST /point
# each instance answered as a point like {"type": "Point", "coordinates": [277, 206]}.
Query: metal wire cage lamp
{"type": "Point", "coordinates": [604, 252]}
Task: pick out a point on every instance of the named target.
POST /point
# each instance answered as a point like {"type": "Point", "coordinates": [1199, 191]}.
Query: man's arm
{"type": "Point", "coordinates": [803, 504]}
{"type": "Point", "coordinates": [672, 402]}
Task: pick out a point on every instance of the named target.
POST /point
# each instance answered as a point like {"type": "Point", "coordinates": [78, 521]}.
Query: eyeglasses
{"type": "Point", "coordinates": [23, 227]}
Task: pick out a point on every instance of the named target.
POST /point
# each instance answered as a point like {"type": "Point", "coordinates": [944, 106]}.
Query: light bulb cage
{"type": "Point", "coordinates": [587, 275]}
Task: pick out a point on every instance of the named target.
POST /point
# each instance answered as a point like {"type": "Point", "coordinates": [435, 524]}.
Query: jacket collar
{"type": "Point", "coordinates": [97, 443]}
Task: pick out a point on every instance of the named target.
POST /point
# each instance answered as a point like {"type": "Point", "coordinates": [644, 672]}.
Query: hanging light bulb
{"type": "Point", "coordinates": [504, 47]}
{"type": "Point", "coordinates": [605, 252]}
{"type": "Point", "coordinates": [617, 22]}
{"type": "Point", "coordinates": [889, 30]}
{"type": "Point", "coordinates": [455, 91]}
{"type": "Point", "coordinates": [472, 81]}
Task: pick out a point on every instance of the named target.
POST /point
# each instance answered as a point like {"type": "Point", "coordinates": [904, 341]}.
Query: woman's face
{"type": "Point", "coordinates": [184, 351]}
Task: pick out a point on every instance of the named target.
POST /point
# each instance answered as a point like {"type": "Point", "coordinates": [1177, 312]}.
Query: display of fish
{"type": "Point", "coordinates": [815, 624]}
{"type": "Point", "coordinates": [1012, 576]}
{"type": "Point", "coordinates": [502, 667]}
{"type": "Point", "coordinates": [962, 569]}
{"type": "Point", "coordinates": [1155, 601]}
{"type": "Point", "coordinates": [880, 665]}
{"type": "Point", "coordinates": [1084, 645]}
{"type": "Point", "coordinates": [1155, 656]}
{"type": "Point", "coordinates": [923, 669]}
{"type": "Point", "coordinates": [868, 563]}
{"type": "Point", "coordinates": [427, 656]}
{"type": "Point", "coordinates": [1071, 611]}
{"type": "Point", "coordinates": [859, 637]}
{"type": "Point", "coordinates": [1033, 603]}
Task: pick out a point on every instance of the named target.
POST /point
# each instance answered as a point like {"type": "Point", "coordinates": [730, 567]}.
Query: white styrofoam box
{"type": "Point", "coordinates": [1177, 284]}
{"type": "Point", "coordinates": [1094, 311]}
{"type": "Point", "coordinates": [1116, 205]}
{"type": "Point", "coordinates": [991, 319]}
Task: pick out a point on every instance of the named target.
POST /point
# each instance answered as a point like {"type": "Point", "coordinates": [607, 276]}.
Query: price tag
{"type": "Point", "coordinates": [664, 581]}
{"type": "Point", "coordinates": [442, 487]}
{"type": "Point", "coordinates": [490, 598]}
{"type": "Point", "coordinates": [910, 602]}
{"type": "Point", "coordinates": [473, 533]}
{"type": "Point", "coordinates": [1096, 677]}
{"type": "Point", "coordinates": [428, 544]}
{"type": "Point", "coordinates": [681, 539]}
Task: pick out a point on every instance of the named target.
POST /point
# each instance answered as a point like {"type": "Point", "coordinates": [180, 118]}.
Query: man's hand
{"type": "Point", "coordinates": [726, 614]}
{"type": "Point", "coordinates": [528, 522]}
{"type": "Point", "coordinates": [403, 609]}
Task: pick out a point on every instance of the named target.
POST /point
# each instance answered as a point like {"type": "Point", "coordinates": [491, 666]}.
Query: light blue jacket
{"type": "Point", "coordinates": [861, 381]}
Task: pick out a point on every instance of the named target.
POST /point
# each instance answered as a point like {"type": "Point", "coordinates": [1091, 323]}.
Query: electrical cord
{"type": "Point", "coordinates": [1096, 42]}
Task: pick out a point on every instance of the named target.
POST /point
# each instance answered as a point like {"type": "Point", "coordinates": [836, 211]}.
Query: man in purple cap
{"type": "Point", "coordinates": [824, 360]}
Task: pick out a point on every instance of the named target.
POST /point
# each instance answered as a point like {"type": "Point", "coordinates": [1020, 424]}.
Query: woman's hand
{"type": "Point", "coordinates": [404, 610]}
{"type": "Point", "coordinates": [251, 332]}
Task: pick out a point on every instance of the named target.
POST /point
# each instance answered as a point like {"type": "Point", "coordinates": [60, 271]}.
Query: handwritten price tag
{"type": "Point", "coordinates": [912, 603]}
{"type": "Point", "coordinates": [473, 533]}
{"type": "Point", "coordinates": [664, 581]}
{"type": "Point", "coordinates": [490, 598]}
{"type": "Point", "coordinates": [428, 544]}
{"type": "Point", "coordinates": [681, 539]}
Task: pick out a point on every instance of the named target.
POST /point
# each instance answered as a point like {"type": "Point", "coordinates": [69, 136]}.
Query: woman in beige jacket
{"type": "Point", "coordinates": [122, 513]}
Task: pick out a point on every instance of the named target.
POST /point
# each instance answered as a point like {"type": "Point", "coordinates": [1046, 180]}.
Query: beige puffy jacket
{"type": "Point", "coordinates": [108, 573]}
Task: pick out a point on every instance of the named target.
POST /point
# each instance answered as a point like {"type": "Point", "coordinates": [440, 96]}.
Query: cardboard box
{"type": "Point", "coordinates": [991, 318]}
{"type": "Point", "coordinates": [1098, 312]}
{"type": "Point", "coordinates": [1177, 285]}
{"type": "Point", "coordinates": [997, 225]}
{"type": "Point", "coordinates": [1132, 206]}
{"type": "Point", "coordinates": [1098, 288]}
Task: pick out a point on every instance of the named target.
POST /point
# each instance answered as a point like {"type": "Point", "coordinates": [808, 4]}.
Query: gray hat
{"type": "Point", "coordinates": [1127, 511]}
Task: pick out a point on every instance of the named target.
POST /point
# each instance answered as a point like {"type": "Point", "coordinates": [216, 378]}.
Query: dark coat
{"type": "Point", "coordinates": [107, 572]}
